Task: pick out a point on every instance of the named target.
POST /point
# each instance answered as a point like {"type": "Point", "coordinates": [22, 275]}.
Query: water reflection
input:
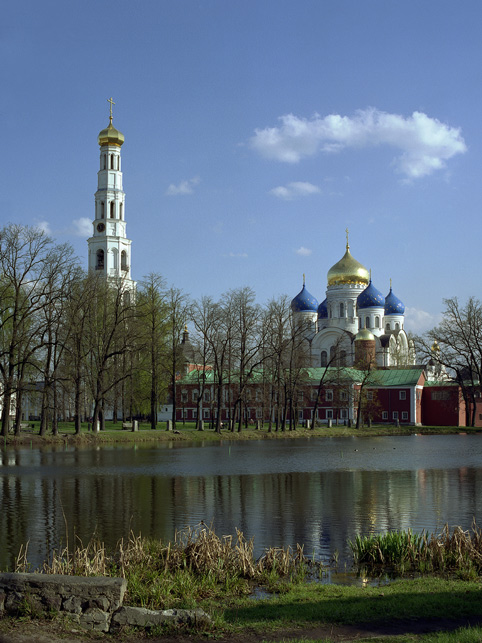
{"type": "Point", "coordinates": [318, 492]}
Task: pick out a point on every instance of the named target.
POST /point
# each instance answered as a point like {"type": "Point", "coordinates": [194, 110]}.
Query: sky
{"type": "Point", "coordinates": [256, 132]}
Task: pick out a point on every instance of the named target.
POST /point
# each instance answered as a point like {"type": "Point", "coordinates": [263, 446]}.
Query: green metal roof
{"type": "Point", "coordinates": [379, 377]}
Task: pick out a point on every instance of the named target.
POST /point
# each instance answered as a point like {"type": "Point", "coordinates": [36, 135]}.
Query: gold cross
{"type": "Point", "coordinates": [303, 279]}
{"type": "Point", "coordinates": [110, 100]}
{"type": "Point", "coordinates": [347, 244]}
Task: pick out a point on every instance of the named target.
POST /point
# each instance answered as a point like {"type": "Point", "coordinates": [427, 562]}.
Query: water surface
{"type": "Point", "coordinates": [319, 492]}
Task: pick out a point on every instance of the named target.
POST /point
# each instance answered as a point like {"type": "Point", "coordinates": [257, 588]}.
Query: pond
{"type": "Point", "coordinates": [318, 492]}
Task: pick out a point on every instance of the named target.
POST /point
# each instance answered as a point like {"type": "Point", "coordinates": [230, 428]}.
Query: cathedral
{"type": "Point", "coordinates": [109, 248]}
{"type": "Point", "coordinates": [354, 310]}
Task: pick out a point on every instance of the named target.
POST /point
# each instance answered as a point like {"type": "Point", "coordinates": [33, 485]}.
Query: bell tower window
{"type": "Point", "coordinates": [124, 260]}
{"type": "Point", "coordinates": [102, 209]}
{"type": "Point", "coordinates": [112, 209]}
{"type": "Point", "coordinates": [121, 211]}
{"type": "Point", "coordinates": [100, 260]}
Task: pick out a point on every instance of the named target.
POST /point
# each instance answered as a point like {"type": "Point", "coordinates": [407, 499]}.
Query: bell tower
{"type": "Point", "coordinates": [109, 247]}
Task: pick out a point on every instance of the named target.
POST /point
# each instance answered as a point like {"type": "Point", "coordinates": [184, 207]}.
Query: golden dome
{"type": "Point", "coordinates": [365, 335]}
{"type": "Point", "coordinates": [348, 271]}
{"type": "Point", "coordinates": [111, 136]}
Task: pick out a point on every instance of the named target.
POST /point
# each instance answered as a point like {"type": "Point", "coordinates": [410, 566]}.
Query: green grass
{"type": "Point", "coordinates": [187, 432]}
{"type": "Point", "coordinates": [403, 599]}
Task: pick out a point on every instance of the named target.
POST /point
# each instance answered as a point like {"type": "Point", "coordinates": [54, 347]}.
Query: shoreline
{"type": "Point", "coordinates": [113, 435]}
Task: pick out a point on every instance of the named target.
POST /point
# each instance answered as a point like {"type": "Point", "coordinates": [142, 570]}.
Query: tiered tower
{"type": "Point", "coordinates": [109, 248]}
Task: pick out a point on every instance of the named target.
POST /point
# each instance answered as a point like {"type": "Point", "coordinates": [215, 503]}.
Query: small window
{"type": "Point", "coordinates": [112, 209]}
{"type": "Point", "coordinates": [402, 395]}
{"type": "Point", "coordinates": [370, 396]}
{"type": "Point", "coordinates": [121, 211]}
{"type": "Point", "coordinates": [343, 395]}
{"type": "Point", "coordinates": [102, 209]}
{"type": "Point", "coordinates": [100, 260]}
{"type": "Point", "coordinates": [329, 414]}
{"type": "Point", "coordinates": [395, 415]}
{"type": "Point", "coordinates": [324, 358]}
{"type": "Point", "coordinates": [300, 396]}
{"type": "Point", "coordinates": [184, 413]}
{"type": "Point", "coordinates": [342, 309]}
{"type": "Point", "coordinates": [300, 415]}
{"type": "Point", "coordinates": [194, 414]}
{"type": "Point", "coordinates": [206, 414]}
{"type": "Point", "coordinates": [195, 395]}
{"type": "Point", "coordinates": [404, 415]}
{"type": "Point", "coordinates": [328, 395]}
{"type": "Point", "coordinates": [259, 413]}
{"type": "Point", "coordinates": [385, 415]}
{"type": "Point", "coordinates": [397, 326]}
{"type": "Point", "coordinates": [377, 321]}
{"type": "Point", "coordinates": [344, 414]}
{"type": "Point", "coordinates": [387, 327]}
{"type": "Point", "coordinates": [207, 396]}
{"type": "Point", "coordinates": [367, 322]}
{"type": "Point", "coordinates": [184, 397]}
{"type": "Point", "coordinates": [313, 395]}
{"type": "Point", "coordinates": [124, 265]}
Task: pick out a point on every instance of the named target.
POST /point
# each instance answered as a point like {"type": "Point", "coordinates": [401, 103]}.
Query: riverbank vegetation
{"type": "Point", "coordinates": [283, 591]}
{"type": "Point", "coordinates": [187, 432]}
{"type": "Point", "coordinates": [458, 552]}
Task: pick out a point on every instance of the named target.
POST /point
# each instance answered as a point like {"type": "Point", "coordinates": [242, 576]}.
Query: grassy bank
{"type": "Point", "coordinates": [277, 594]}
{"type": "Point", "coordinates": [187, 432]}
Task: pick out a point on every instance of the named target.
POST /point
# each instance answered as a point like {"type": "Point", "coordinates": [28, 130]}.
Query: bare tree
{"type": "Point", "coordinates": [31, 264]}
{"type": "Point", "coordinates": [456, 344]}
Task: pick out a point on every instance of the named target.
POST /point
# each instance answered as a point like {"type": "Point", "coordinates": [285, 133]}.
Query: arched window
{"type": "Point", "coordinates": [100, 260]}
{"type": "Point", "coordinates": [102, 209]}
{"type": "Point", "coordinates": [124, 265]}
{"type": "Point", "coordinates": [387, 326]}
{"type": "Point", "coordinates": [350, 309]}
{"type": "Point", "coordinates": [112, 209]}
{"type": "Point", "coordinates": [121, 211]}
{"type": "Point", "coordinates": [397, 326]}
{"type": "Point", "coordinates": [361, 322]}
{"type": "Point", "coordinates": [111, 161]}
{"type": "Point", "coordinates": [377, 321]}
{"type": "Point", "coordinates": [367, 322]}
{"type": "Point", "coordinates": [114, 258]}
{"type": "Point", "coordinates": [324, 358]}
{"type": "Point", "coordinates": [342, 309]}
{"type": "Point", "coordinates": [104, 162]}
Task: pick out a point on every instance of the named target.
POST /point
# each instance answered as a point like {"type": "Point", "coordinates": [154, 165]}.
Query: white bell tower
{"type": "Point", "coordinates": [109, 248]}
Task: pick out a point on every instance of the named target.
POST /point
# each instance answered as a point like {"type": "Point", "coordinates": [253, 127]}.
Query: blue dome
{"type": "Point", "coordinates": [323, 310]}
{"type": "Point", "coordinates": [370, 298]}
{"type": "Point", "coordinates": [393, 305]}
{"type": "Point", "coordinates": [304, 301]}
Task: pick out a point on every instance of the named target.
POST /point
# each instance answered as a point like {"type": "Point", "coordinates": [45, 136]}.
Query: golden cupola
{"type": "Point", "coordinates": [348, 271]}
{"type": "Point", "coordinates": [110, 135]}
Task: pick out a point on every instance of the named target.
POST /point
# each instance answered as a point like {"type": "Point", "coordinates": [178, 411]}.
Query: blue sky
{"type": "Point", "coordinates": [256, 132]}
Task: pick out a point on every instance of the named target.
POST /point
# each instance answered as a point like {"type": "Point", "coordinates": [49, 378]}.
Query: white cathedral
{"type": "Point", "coordinates": [109, 247]}
{"type": "Point", "coordinates": [354, 310]}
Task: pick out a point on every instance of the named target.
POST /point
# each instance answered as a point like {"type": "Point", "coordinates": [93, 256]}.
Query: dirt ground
{"type": "Point", "coordinates": [12, 631]}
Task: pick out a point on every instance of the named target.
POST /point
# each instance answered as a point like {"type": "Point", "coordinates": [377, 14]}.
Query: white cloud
{"type": "Point", "coordinates": [82, 227]}
{"type": "Point", "coordinates": [424, 143]}
{"type": "Point", "coordinates": [237, 255]}
{"type": "Point", "coordinates": [184, 187]}
{"type": "Point", "coordinates": [419, 321]}
{"type": "Point", "coordinates": [294, 190]}
{"type": "Point", "coordinates": [304, 252]}
{"type": "Point", "coordinates": [44, 226]}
